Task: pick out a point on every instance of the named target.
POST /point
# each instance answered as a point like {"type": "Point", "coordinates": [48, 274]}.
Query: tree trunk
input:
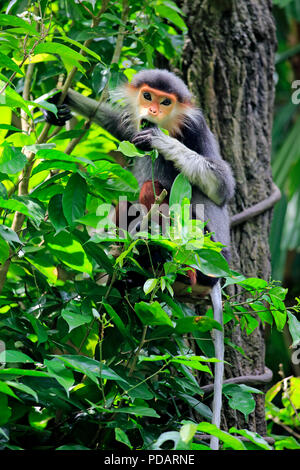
{"type": "Point", "coordinates": [228, 63]}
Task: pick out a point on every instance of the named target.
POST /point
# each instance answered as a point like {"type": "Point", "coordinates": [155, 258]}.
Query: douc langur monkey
{"type": "Point", "coordinates": [162, 99]}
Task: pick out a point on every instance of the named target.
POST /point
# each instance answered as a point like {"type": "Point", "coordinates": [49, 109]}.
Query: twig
{"type": "Point", "coordinates": [95, 22]}
{"type": "Point", "coordinates": [207, 437]}
{"type": "Point", "coordinates": [43, 35]}
{"type": "Point", "coordinates": [276, 420]}
{"type": "Point", "coordinates": [138, 351]}
{"type": "Point", "coordinates": [115, 59]}
{"type": "Point", "coordinates": [159, 199]}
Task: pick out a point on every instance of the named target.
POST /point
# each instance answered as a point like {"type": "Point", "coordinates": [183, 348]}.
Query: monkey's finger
{"type": "Point", "coordinates": [146, 132]}
{"type": "Point", "coordinates": [64, 115]}
{"type": "Point", "coordinates": [63, 109]}
{"type": "Point", "coordinates": [142, 145]}
{"type": "Point", "coordinates": [140, 140]}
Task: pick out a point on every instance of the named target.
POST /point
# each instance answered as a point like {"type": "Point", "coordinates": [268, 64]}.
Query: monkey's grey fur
{"type": "Point", "coordinates": [165, 81]}
{"type": "Point", "coordinates": [194, 153]}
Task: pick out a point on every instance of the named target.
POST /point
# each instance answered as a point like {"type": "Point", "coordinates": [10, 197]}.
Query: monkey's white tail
{"type": "Point", "coordinates": [216, 299]}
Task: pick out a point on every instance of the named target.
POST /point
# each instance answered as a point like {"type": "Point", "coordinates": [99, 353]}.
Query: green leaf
{"type": "Point", "coordinates": [130, 150]}
{"type": "Point", "coordinates": [14, 356]}
{"type": "Point", "coordinates": [197, 405]}
{"type": "Point", "coordinates": [286, 443]}
{"type": "Point", "coordinates": [9, 127]}
{"type": "Point", "coordinates": [14, 205]}
{"type": "Point", "coordinates": [294, 329]}
{"type": "Point", "coordinates": [9, 235]}
{"type": "Point", "coordinates": [253, 437]}
{"type": "Point", "coordinates": [74, 198]}
{"type": "Point", "coordinates": [278, 310]}
{"type": "Point", "coordinates": [193, 364]}
{"type": "Point", "coordinates": [261, 311]}
{"type": "Point", "coordinates": [81, 47]}
{"type": "Point", "coordinates": [171, 15]}
{"type": "Point", "coordinates": [152, 314]}
{"type": "Point", "coordinates": [74, 133]}
{"type": "Point", "coordinates": [6, 62]}
{"type": "Point", "coordinates": [181, 188]}
{"type": "Point", "coordinates": [213, 263]}
{"type": "Point", "coordinates": [229, 440]}
{"type": "Point", "coordinates": [122, 437]}
{"type": "Point", "coordinates": [90, 367]}
{"type": "Point", "coordinates": [253, 283]}
{"type": "Point", "coordinates": [5, 410]}
{"type": "Point", "coordinates": [36, 147]}
{"type": "Point", "coordinates": [196, 323]}
{"type": "Point", "coordinates": [38, 418]}
{"type": "Point", "coordinates": [55, 212]}
{"type": "Point", "coordinates": [69, 251]}
{"type": "Point", "coordinates": [40, 330]}
{"type": "Point", "coordinates": [23, 372]}
{"type": "Point", "coordinates": [4, 250]}
{"type": "Point", "coordinates": [23, 388]}
{"type": "Point", "coordinates": [12, 160]}
{"type": "Point", "coordinates": [239, 399]}
{"type": "Point", "coordinates": [12, 20]}
{"type": "Point", "coordinates": [4, 388]}
{"type": "Point", "coordinates": [187, 432]}
{"type": "Point", "coordinates": [172, 436]}
{"type": "Point", "coordinates": [149, 285]}
{"type": "Point", "coordinates": [35, 211]}
{"type": "Point", "coordinates": [61, 50]}
{"type": "Point", "coordinates": [12, 99]}
{"type": "Point", "coordinates": [116, 319]}
{"type": "Point", "coordinates": [138, 411]}
{"type": "Point", "coordinates": [74, 319]}
{"type": "Point", "coordinates": [53, 154]}
{"type": "Point", "coordinates": [45, 265]}
{"type": "Point", "coordinates": [58, 371]}
{"type": "Point", "coordinates": [100, 77]}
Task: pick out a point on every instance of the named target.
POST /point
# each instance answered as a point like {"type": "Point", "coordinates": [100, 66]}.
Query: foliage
{"type": "Point", "coordinates": [287, 417]}
{"type": "Point", "coordinates": [285, 233]}
{"type": "Point", "coordinates": [89, 361]}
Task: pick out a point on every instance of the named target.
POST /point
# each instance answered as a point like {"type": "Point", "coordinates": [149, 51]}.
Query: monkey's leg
{"type": "Point", "coordinates": [147, 195]}
{"type": "Point", "coordinates": [216, 299]}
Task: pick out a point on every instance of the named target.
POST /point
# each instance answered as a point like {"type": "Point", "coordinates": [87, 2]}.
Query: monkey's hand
{"type": "Point", "coordinates": [144, 139]}
{"type": "Point", "coordinates": [63, 112]}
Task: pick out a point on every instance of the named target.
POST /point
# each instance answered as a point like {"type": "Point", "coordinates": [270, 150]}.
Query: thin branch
{"type": "Point", "coordinates": [158, 201]}
{"type": "Point", "coordinates": [115, 59]}
{"type": "Point", "coordinates": [138, 351]}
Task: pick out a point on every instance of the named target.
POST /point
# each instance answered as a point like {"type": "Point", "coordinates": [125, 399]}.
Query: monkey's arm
{"type": "Point", "coordinates": [211, 174]}
{"type": "Point", "coordinates": [112, 119]}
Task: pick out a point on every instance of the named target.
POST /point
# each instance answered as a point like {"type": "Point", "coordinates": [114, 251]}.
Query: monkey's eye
{"type": "Point", "coordinates": [147, 96]}
{"type": "Point", "coordinates": [166, 102]}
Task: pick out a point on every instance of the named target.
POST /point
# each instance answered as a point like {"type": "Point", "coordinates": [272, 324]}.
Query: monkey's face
{"type": "Point", "coordinates": [157, 106]}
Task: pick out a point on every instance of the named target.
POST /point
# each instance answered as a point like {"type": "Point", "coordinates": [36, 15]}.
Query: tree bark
{"type": "Point", "coordinates": [228, 63]}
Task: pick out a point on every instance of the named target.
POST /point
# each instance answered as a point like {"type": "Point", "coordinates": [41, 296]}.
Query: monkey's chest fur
{"type": "Point", "coordinates": [164, 171]}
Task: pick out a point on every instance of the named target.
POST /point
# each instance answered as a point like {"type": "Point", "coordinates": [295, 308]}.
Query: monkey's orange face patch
{"type": "Point", "coordinates": [156, 105]}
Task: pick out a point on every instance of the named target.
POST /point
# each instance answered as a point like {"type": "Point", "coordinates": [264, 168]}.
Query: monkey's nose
{"type": "Point", "coordinates": [153, 110]}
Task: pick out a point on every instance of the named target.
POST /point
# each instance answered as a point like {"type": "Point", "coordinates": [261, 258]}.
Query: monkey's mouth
{"type": "Point", "coordinates": [145, 124]}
